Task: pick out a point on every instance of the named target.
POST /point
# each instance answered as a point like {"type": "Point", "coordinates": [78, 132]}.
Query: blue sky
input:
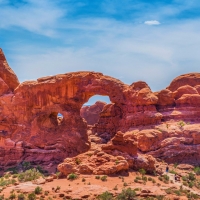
{"type": "Point", "coordinates": [132, 40]}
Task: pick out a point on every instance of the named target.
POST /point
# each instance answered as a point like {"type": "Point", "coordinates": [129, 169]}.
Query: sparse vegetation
{"type": "Point", "coordinates": [105, 196]}
{"type": "Point", "coordinates": [126, 194]}
{"type": "Point", "coordinates": [97, 177]}
{"type": "Point", "coordinates": [31, 196]}
{"type": "Point", "coordinates": [181, 123]}
{"type": "Point", "coordinates": [72, 176]}
{"type": "Point", "coordinates": [21, 197]}
{"type": "Point", "coordinates": [104, 178]}
{"type": "Point", "coordinates": [142, 172]}
{"type": "Point", "coordinates": [38, 190]}
{"type": "Point", "coordinates": [29, 175]}
{"type": "Point", "coordinates": [77, 161]}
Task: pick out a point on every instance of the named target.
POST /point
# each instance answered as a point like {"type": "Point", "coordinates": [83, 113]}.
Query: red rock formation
{"type": "Point", "coordinates": [91, 113]}
{"type": "Point", "coordinates": [6, 73]}
{"type": "Point", "coordinates": [30, 128]}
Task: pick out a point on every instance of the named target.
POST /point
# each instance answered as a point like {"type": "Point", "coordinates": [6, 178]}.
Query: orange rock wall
{"type": "Point", "coordinates": [31, 130]}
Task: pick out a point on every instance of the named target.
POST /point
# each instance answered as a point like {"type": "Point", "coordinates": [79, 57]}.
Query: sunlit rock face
{"type": "Point", "coordinates": [30, 128]}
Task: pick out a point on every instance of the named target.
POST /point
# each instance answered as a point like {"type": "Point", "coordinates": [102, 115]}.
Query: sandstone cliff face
{"type": "Point", "coordinates": [30, 128]}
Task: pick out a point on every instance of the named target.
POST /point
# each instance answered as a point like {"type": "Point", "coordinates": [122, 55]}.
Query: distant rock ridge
{"type": "Point", "coordinates": [31, 130]}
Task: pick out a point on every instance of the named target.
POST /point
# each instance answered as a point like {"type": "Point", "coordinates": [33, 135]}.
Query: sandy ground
{"type": "Point", "coordinates": [88, 187]}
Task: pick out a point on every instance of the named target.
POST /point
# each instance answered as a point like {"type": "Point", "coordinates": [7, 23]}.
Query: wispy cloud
{"type": "Point", "coordinates": [36, 16]}
{"type": "Point", "coordinates": [152, 22]}
{"type": "Point", "coordinates": [105, 42]}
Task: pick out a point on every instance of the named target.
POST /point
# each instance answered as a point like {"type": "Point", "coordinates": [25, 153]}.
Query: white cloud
{"type": "Point", "coordinates": [131, 51]}
{"type": "Point", "coordinates": [152, 22]}
{"type": "Point", "coordinates": [39, 17]}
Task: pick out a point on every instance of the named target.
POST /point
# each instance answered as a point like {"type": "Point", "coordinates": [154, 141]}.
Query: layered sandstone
{"type": "Point", "coordinates": [30, 128]}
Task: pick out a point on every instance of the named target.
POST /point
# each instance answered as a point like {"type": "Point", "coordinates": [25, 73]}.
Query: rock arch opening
{"type": "Point", "coordinates": [60, 118]}
{"type": "Point", "coordinates": [91, 110]}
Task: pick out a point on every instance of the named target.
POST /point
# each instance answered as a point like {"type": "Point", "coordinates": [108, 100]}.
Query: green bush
{"type": "Point", "coordinates": [191, 184]}
{"type": "Point", "coordinates": [38, 190]}
{"type": "Point", "coordinates": [191, 176]}
{"type": "Point", "coordinates": [125, 184]}
{"type": "Point", "coordinates": [72, 176]}
{"type": "Point", "coordinates": [105, 196]}
{"type": "Point", "coordinates": [29, 175]}
{"type": "Point", "coordinates": [166, 178]}
{"type": "Point", "coordinates": [21, 197]}
{"type": "Point", "coordinates": [31, 196]}
{"type": "Point", "coordinates": [104, 178]}
{"type": "Point", "coordinates": [12, 196]}
{"type": "Point", "coordinates": [144, 178]}
{"type": "Point", "coordinates": [126, 194]}
{"type": "Point", "coordinates": [97, 177]}
{"type": "Point", "coordinates": [197, 170]}
{"type": "Point", "coordinates": [2, 197]}
{"type": "Point", "coordinates": [181, 123]}
{"type": "Point", "coordinates": [142, 172]}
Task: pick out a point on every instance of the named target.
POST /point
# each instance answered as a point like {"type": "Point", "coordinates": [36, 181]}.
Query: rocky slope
{"type": "Point", "coordinates": [138, 125]}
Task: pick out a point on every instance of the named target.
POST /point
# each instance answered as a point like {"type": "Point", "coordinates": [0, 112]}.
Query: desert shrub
{"type": "Point", "coordinates": [12, 196]}
{"type": "Point", "coordinates": [38, 190]}
{"type": "Point", "coordinates": [83, 179]}
{"type": "Point", "coordinates": [172, 172]}
{"type": "Point", "coordinates": [153, 181]}
{"type": "Point", "coordinates": [116, 162]}
{"type": "Point", "coordinates": [21, 197]}
{"type": "Point", "coordinates": [15, 175]}
{"type": "Point", "coordinates": [97, 177]}
{"type": "Point", "coordinates": [115, 188]}
{"type": "Point", "coordinates": [191, 184]}
{"type": "Point", "coordinates": [169, 191]}
{"type": "Point", "coordinates": [142, 172]}
{"type": "Point", "coordinates": [175, 165]}
{"type": "Point", "coordinates": [29, 175]}
{"type": "Point", "coordinates": [2, 197]}
{"type": "Point", "coordinates": [191, 176]}
{"type": "Point", "coordinates": [159, 197]}
{"type": "Point", "coordinates": [197, 170]}
{"type": "Point", "coordinates": [72, 176]}
{"type": "Point", "coordinates": [105, 196]}
{"type": "Point", "coordinates": [7, 176]}
{"type": "Point", "coordinates": [184, 178]}
{"type": "Point", "coordinates": [4, 182]}
{"type": "Point", "coordinates": [77, 161]}
{"type": "Point", "coordinates": [166, 178]}
{"type": "Point", "coordinates": [139, 178]}
{"type": "Point", "coordinates": [125, 184]}
{"type": "Point", "coordinates": [149, 179]}
{"type": "Point", "coordinates": [192, 196]}
{"type": "Point", "coordinates": [31, 196]}
{"type": "Point", "coordinates": [177, 192]}
{"type": "Point", "coordinates": [126, 194]}
{"type": "Point", "coordinates": [181, 123]}
{"type": "Point", "coordinates": [144, 178]}
{"type": "Point", "coordinates": [136, 180]}
{"type": "Point", "coordinates": [104, 178]}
